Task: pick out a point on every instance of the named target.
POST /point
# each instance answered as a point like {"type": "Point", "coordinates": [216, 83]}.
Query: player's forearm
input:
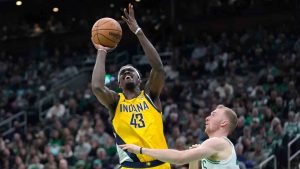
{"type": "Point", "coordinates": [194, 165]}
{"type": "Point", "coordinates": [165, 155]}
{"type": "Point", "coordinates": [150, 52]}
{"type": "Point", "coordinates": [98, 77]}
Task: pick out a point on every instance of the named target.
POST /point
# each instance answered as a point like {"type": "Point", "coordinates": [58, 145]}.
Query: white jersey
{"type": "Point", "coordinates": [230, 163]}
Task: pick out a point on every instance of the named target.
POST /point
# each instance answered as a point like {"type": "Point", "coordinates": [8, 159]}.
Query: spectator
{"type": "Point", "coordinates": [99, 134]}
{"type": "Point", "coordinates": [55, 143]}
{"type": "Point", "coordinates": [224, 90]}
{"type": "Point", "coordinates": [291, 126]}
{"type": "Point", "coordinates": [243, 162]}
{"type": "Point", "coordinates": [102, 156]}
{"type": "Point", "coordinates": [175, 134]}
{"type": "Point", "coordinates": [97, 164]}
{"type": "Point", "coordinates": [68, 155]}
{"type": "Point", "coordinates": [51, 163]}
{"type": "Point", "coordinates": [35, 163]}
{"type": "Point", "coordinates": [85, 130]}
{"type": "Point", "coordinates": [56, 111]}
{"type": "Point", "coordinates": [63, 164]}
{"type": "Point", "coordinates": [83, 148]}
{"type": "Point", "coordinates": [257, 155]}
{"type": "Point", "coordinates": [37, 30]}
{"type": "Point", "coordinates": [199, 51]}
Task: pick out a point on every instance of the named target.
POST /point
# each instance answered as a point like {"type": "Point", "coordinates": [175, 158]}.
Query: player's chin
{"type": "Point", "coordinates": [206, 130]}
{"type": "Point", "coordinates": [130, 85]}
{"type": "Point", "coordinates": [129, 82]}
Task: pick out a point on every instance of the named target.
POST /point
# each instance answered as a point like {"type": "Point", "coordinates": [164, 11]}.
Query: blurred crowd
{"type": "Point", "coordinates": [23, 22]}
{"type": "Point", "coordinates": [256, 72]}
{"type": "Point", "coordinates": [32, 78]}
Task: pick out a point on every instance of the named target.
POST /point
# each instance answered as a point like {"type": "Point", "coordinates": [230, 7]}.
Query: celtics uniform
{"type": "Point", "coordinates": [137, 121]}
{"type": "Point", "coordinates": [230, 163]}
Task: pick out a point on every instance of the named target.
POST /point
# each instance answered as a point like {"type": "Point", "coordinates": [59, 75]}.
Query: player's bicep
{"type": "Point", "coordinates": [106, 97]}
{"type": "Point", "coordinates": [199, 153]}
{"type": "Point", "coordinates": [207, 149]}
{"type": "Point", "coordinates": [155, 83]}
{"type": "Point", "coordinates": [205, 152]}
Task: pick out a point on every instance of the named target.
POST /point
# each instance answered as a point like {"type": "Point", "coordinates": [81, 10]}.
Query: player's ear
{"type": "Point", "coordinates": [224, 123]}
{"type": "Point", "coordinates": [119, 83]}
{"type": "Point", "coordinates": [139, 81]}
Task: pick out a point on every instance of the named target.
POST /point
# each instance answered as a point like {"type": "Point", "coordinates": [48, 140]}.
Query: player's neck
{"type": "Point", "coordinates": [218, 133]}
{"type": "Point", "coordinates": [132, 94]}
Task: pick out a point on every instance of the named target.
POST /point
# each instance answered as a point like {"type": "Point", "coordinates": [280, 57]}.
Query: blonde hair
{"type": "Point", "coordinates": [231, 115]}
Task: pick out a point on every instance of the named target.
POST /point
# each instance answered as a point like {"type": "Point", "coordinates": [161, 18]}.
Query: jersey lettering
{"type": "Point", "coordinates": [140, 107]}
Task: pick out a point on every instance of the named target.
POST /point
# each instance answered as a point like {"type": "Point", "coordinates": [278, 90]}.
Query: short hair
{"type": "Point", "coordinates": [128, 66]}
{"type": "Point", "coordinates": [231, 115]}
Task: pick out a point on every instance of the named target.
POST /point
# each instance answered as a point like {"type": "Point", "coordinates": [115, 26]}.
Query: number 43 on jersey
{"type": "Point", "coordinates": [137, 120]}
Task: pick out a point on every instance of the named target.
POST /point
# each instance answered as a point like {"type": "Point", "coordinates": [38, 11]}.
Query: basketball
{"type": "Point", "coordinates": [106, 32]}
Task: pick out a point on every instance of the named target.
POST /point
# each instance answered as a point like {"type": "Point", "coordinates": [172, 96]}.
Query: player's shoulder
{"type": "Point", "coordinates": [217, 142]}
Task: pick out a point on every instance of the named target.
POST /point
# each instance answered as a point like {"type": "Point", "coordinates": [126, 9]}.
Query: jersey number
{"type": "Point", "coordinates": [137, 121]}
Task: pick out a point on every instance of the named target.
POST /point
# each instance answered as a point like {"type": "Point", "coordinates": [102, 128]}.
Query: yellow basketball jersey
{"type": "Point", "coordinates": [137, 121]}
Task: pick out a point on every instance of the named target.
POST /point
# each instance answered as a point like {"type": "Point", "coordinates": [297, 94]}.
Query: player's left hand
{"type": "Point", "coordinates": [130, 148]}
{"type": "Point", "coordinates": [129, 18]}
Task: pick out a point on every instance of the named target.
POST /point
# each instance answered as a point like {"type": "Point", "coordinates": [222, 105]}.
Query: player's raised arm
{"type": "Point", "coordinates": [105, 96]}
{"type": "Point", "coordinates": [157, 75]}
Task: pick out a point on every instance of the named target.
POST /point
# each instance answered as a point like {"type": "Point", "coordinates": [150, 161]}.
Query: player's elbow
{"type": "Point", "coordinates": [160, 70]}
{"type": "Point", "coordinates": [97, 88]}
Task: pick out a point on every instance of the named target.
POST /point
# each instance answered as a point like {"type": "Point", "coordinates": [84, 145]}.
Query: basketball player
{"type": "Point", "coordinates": [136, 114]}
{"type": "Point", "coordinates": [214, 153]}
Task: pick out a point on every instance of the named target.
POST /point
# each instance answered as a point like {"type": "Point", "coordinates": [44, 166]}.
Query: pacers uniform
{"type": "Point", "coordinates": [137, 121]}
{"type": "Point", "coordinates": [230, 163]}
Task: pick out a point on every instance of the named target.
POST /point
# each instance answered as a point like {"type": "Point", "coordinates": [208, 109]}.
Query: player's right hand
{"type": "Point", "coordinates": [98, 46]}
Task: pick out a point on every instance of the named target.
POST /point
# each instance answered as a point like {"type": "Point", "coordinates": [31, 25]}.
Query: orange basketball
{"type": "Point", "coordinates": [106, 32]}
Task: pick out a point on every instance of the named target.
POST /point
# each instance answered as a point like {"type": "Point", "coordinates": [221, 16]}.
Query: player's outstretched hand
{"type": "Point", "coordinates": [129, 18]}
{"type": "Point", "coordinates": [98, 47]}
{"type": "Point", "coordinates": [130, 148]}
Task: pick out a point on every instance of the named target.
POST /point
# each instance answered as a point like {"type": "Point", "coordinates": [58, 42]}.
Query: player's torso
{"type": "Point", "coordinates": [137, 121]}
{"type": "Point", "coordinates": [230, 163]}
{"type": "Point", "coordinates": [208, 164]}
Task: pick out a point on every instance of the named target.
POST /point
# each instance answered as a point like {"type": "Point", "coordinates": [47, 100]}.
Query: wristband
{"type": "Point", "coordinates": [102, 50]}
{"type": "Point", "coordinates": [141, 150]}
{"type": "Point", "coordinates": [138, 29]}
